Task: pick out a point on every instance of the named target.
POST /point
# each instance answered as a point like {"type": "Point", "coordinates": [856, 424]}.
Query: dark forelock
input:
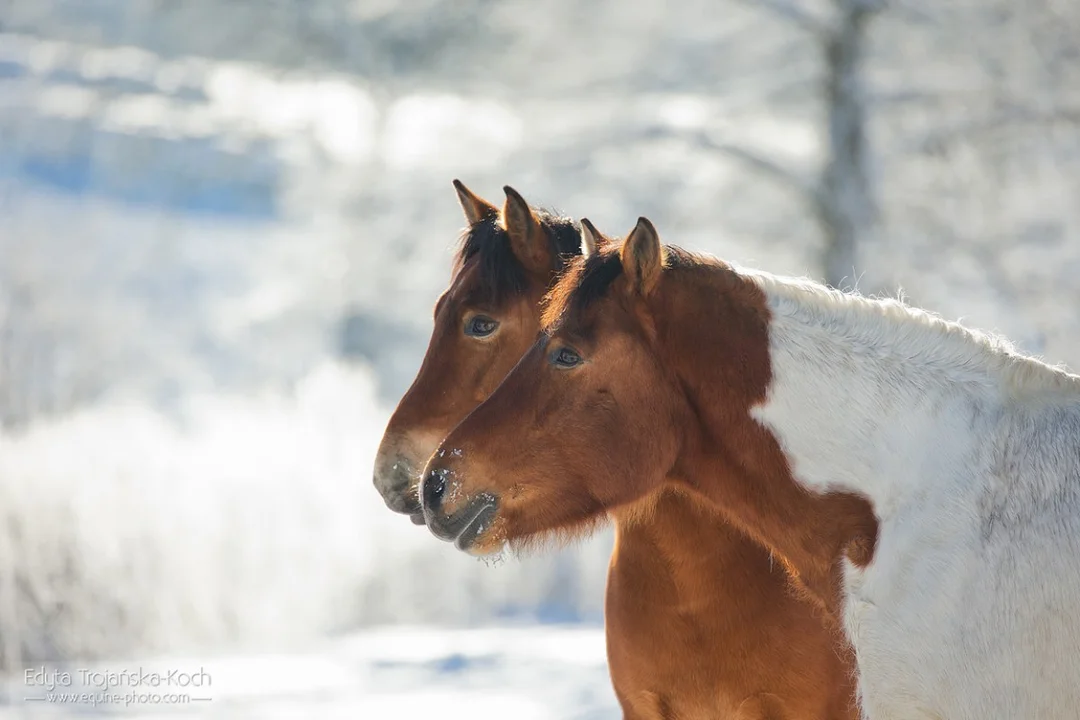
{"type": "Point", "coordinates": [501, 273]}
{"type": "Point", "coordinates": [588, 280]}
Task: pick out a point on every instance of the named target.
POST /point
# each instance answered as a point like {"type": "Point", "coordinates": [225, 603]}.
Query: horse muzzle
{"type": "Point", "coordinates": [394, 478]}
{"type": "Point", "coordinates": [465, 524]}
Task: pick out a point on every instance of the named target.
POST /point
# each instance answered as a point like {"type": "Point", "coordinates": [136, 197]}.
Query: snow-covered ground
{"type": "Point", "coordinates": [525, 673]}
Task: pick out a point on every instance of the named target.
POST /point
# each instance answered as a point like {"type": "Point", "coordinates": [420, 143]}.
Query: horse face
{"type": "Point", "coordinates": [471, 350]}
{"type": "Point", "coordinates": [482, 327]}
{"type": "Point", "coordinates": [588, 420]}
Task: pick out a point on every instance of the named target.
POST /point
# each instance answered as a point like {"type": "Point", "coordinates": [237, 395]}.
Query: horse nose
{"type": "Point", "coordinates": [397, 496]}
{"type": "Point", "coordinates": [434, 489]}
{"type": "Point", "coordinates": [393, 479]}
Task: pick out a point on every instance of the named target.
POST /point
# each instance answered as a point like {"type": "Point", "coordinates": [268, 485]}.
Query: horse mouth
{"type": "Point", "coordinates": [467, 525]}
{"type": "Point", "coordinates": [397, 484]}
{"type": "Point", "coordinates": [402, 499]}
{"type": "Point", "coordinates": [483, 521]}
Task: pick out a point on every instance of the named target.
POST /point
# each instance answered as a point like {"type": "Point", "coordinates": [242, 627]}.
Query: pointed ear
{"type": "Point", "coordinates": [527, 238]}
{"type": "Point", "coordinates": [476, 208]}
{"type": "Point", "coordinates": [642, 257]}
{"type": "Point", "coordinates": [590, 236]}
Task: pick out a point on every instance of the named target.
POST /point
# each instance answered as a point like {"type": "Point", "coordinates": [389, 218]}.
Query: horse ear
{"type": "Point", "coordinates": [590, 236]}
{"type": "Point", "coordinates": [476, 208]}
{"type": "Point", "coordinates": [642, 256]}
{"type": "Point", "coordinates": [527, 238]}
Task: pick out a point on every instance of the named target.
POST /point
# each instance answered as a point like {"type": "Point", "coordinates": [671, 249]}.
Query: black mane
{"type": "Point", "coordinates": [502, 273]}
{"type": "Point", "coordinates": [589, 280]}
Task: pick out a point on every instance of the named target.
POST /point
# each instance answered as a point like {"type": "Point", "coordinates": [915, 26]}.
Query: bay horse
{"type": "Point", "coordinates": [700, 623]}
{"type": "Point", "coordinates": [919, 479]}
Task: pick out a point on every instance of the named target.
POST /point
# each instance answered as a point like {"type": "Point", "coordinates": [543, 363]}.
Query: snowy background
{"type": "Point", "coordinates": [223, 226]}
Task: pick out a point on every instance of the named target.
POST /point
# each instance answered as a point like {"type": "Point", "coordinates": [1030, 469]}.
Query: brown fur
{"type": "Point", "coordinates": [704, 304]}
{"type": "Point", "coordinates": [459, 371]}
{"type": "Point", "coordinates": [698, 616]}
{"type": "Point", "coordinates": [700, 623]}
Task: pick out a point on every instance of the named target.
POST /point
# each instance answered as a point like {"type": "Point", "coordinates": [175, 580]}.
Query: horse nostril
{"type": "Point", "coordinates": [434, 487]}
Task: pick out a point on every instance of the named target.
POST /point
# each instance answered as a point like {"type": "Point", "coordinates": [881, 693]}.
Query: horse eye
{"type": "Point", "coordinates": [480, 326]}
{"type": "Point", "coordinates": [565, 358]}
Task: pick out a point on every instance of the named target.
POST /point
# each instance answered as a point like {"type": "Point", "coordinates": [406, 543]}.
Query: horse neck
{"type": "Point", "coordinates": [684, 544]}
{"type": "Point", "coordinates": [868, 405]}
{"type": "Point", "coordinates": [720, 357]}
{"type": "Point", "coordinates": [871, 397]}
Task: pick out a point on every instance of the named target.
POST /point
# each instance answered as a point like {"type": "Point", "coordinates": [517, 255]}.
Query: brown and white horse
{"type": "Point", "coordinates": [919, 479]}
{"type": "Point", "coordinates": [700, 622]}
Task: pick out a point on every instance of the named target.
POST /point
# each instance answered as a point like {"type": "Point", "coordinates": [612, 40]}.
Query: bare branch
{"type": "Point", "coordinates": [903, 98]}
{"type": "Point", "coordinates": [973, 128]}
{"type": "Point", "coordinates": [796, 15]}
{"type": "Point", "coordinates": [805, 187]}
{"type": "Point", "coordinates": [912, 13]}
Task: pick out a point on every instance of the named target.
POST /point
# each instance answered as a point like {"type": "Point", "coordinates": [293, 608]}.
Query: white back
{"type": "Point", "coordinates": [970, 456]}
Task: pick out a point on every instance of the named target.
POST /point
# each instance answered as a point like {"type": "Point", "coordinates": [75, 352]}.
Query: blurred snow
{"type": "Point", "coordinates": [139, 531]}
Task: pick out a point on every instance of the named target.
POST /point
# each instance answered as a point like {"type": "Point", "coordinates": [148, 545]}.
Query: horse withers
{"type": "Point", "coordinates": [920, 480]}
{"type": "Point", "coordinates": [700, 622]}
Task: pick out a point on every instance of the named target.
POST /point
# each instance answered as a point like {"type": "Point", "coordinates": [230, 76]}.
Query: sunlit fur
{"type": "Point", "coordinates": [494, 274]}
{"type": "Point", "coordinates": [970, 453]}
{"type": "Point", "coordinates": [701, 621]}
{"type": "Point", "coordinates": [965, 607]}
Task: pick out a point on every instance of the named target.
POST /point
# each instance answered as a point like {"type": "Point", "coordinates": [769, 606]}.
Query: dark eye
{"type": "Point", "coordinates": [565, 358]}
{"type": "Point", "coordinates": [480, 326]}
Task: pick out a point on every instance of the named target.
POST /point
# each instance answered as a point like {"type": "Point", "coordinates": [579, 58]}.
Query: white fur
{"type": "Point", "coordinates": [970, 455]}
